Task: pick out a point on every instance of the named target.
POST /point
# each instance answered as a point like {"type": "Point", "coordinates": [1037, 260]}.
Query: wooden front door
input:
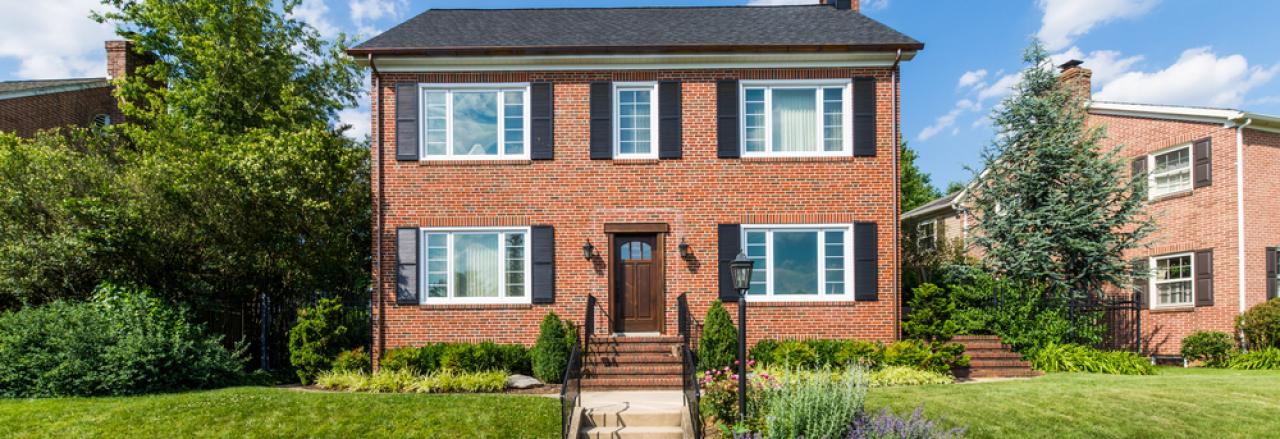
{"type": "Point", "coordinates": [638, 283]}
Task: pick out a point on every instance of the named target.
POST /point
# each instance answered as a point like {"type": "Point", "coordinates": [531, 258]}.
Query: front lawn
{"type": "Point", "coordinates": [271, 412]}
{"type": "Point", "coordinates": [1175, 403]}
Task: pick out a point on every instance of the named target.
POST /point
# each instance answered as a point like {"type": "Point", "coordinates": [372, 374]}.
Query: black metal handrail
{"type": "Point", "coordinates": [689, 365]}
{"type": "Point", "coordinates": [571, 389]}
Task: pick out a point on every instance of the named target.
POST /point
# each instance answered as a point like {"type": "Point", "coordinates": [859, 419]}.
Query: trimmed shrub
{"type": "Point", "coordinates": [762, 352]}
{"type": "Point", "coordinates": [718, 346]}
{"type": "Point", "coordinates": [550, 354]}
{"type": "Point", "coordinates": [124, 342]}
{"type": "Point", "coordinates": [317, 338]}
{"type": "Point", "coordinates": [1076, 358]}
{"type": "Point", "coordinates": [1261, 325]}
{"type": "Point", "coordinates": [795, 354]}
{"type": "Point", "coordinates": [869, 354]}
{"type": "Point", "coordinates": [886, 425]}
{"type": "Point", "coordinates": [1261, 359]}
{"type": "Point", "coordinates": [910, 353]}
{"type": "Point", "coordinates": [906, 376]}
{"type": "Point", "coordinates": [930, 317]}
{"type": "Point", "coordinates": [1210, 347]}
{"type": "Point", "coordinates": [400, 359]}
{"type": "Point", "coordinates": [820, 405]}
{"type": "Point", "coordinates": [459, 357]}
{"type": "Point", "coordinates": [406, 381]}
{"type": "Point", "coordinates": [355, 360]}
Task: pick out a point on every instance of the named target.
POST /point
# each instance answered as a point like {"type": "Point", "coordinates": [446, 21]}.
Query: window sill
{"type": "Point", "coordinates": [1173, 309]}
{"type": "Point", "coordinates": [470, 306]}
{"type": "Point", "coordinates": [637, 161]}
{"type": "Point", "coordinates": [513, 162]}
{"type": "Point", "coordinates": [839, 158]}
{"type": "Point", "coordinates": [830, 303]}
{"type": "Point", "coordinates": [1171, 196]}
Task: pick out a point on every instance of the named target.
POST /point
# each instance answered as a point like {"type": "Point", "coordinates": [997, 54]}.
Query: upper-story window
{"type": "Point", "coordinates": [796, 118]}
{"type": "Point", "coordinates": [1170, 171]}
{"type": "Point", "coordinates": [927, 235]}
{"type": "Point", "coordinates": [475, 121]}
{"type": "Point", "coordinates": [1173, 280]}
{"type": "Point", "coordinates": [799, 262]}
{"type": "Point", "coordinates": [636, 124]}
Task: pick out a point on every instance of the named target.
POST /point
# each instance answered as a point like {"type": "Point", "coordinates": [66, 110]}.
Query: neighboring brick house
{"type": "Point", "coordinates": [942, 220]}
{"type": "Point", "coordinates": [30, 106]}
{"type": "Point", "coordinates": [528, 158]}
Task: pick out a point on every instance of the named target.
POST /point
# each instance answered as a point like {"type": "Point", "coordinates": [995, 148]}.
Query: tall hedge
{"type": "Point", "coordinates": [718, 346]}
{"type": "Point", "coordinates": [550, 354]}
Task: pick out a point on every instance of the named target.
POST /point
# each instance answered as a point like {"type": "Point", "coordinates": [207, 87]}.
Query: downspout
{"type": "Point", "coordinates": [374, 326]}
{"type": "Point", "coordinates": [897, 199]}
{"type": "Point", "coordinates": [1240, 270]}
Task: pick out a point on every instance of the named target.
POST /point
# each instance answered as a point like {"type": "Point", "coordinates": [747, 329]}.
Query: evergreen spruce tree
{"type": "Point", "coordinates": [1055, 207]}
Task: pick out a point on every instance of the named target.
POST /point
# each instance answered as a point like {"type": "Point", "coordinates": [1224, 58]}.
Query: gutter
{"type": "Point", "coordinates": [378, 176]}
{"type": "Point", "coordinates": [897, 198]}
{"type": "Point", "coordinates": [1240, 208]}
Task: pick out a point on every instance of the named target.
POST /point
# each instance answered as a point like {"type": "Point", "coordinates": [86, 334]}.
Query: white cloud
{"type": "Point", "coordinates": [365, 12]}
{"type": "Point", "coordinates": [314, 12]}
{"type": "Point", "coordinates": [948, 120]}
{"type": "Point", "coordinates": [1065, 20]}
{"type": "Point", "coordinates": [54, 39]}
{"type": "Point", "coordinates": [1199, 77]}
{"type": "Point", "coordinates": [1001, 88]}
{"type": "Point", "coordinates": [1106, 65]}
{"type": "Point", "coordinates": [972, 78]}
{"type": "Point", "coordinates": [360, 120]}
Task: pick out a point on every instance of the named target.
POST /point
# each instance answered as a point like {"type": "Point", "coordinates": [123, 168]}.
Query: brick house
{"type": "Point", "coordinates": [1215, 197]}
{"type": "Point", "coordinates": [529, 158]}
{"type": "Point", "coordinates": [33, 105]}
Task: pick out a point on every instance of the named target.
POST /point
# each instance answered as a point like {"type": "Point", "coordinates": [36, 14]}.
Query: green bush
{"type": "Point", "coordinates": [550, 354]}
{"type": "Point", "coordinates": [795, 354]}
{"type": "Point", "coordinates": [906, 376]}
{"type": "Point", "coordinates": [910, 353]}
{"type": "Point", "coordinates": [459, 357]}
{"type": "Point", "coordinates": [1076, 358]}
{"type": "Point", "coordinates": [718, 346]}
{"type": "Point", "coordinates": [123, 342]}
{"type": "Point", "coordinates": [1261, 359]}
{"type": "Point", "coordinates": [818, 405]}
{"type": "Point", "coordinates": [386, 381]}
{"type": "Point", "coordinates": [1210, 347]}
{"type": "Point", "coordinates": [355, 360]}
{"type": "Point", "coordinates": [869, 354]}
{"type": "Point", "coordinates": [930, 317]}
{"type": "Point", "coordinates": [762, 352]}
{"type": "Point", "coordinates": [1021, 317]}
{"type": "Point", "coordinates": [317, 338]}
{"type": "Point", "coordinates": [401, 359]}
{"type": "Point", "coordinates": [1261, 325]}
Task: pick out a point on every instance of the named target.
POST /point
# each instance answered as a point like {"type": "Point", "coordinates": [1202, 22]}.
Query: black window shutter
{"type": "Point", "coordinates": [728, 119]}
{"type": "Point", "coordinates": [1202, 162]}
{"type": "Point", "coordinates": [406, 121]}
{"type": "Point", "coordinates": [601, 108]}
{"type": "Point", "coordinates": [1271, 273]}
{"type": "Point", "coordinates": [864, 117]}
{"type": "Point", "coordinates": [1139, 272]}
{"type": "Point", "coordinates": [544, 264]}
{"type": "Point", "coordinates": [407, 252]}
{"type": "Point", "coordinates": [730, 244]}
{"type": "Point", "coordinates": [866, 258]}
{"type": "Point", "coordinates": [541, 121]}
{"type": "Point", "coordinates": [1204, 278]}
{"type": "Point", "coordinates": [669, 119]}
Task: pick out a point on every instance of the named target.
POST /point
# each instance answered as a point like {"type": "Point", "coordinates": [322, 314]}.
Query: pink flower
{"type": "Point", "coordinates": [735, 376]}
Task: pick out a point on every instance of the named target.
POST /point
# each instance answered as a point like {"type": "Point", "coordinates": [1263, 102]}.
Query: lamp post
{"type": "Point", "coordinates": [740, 269]}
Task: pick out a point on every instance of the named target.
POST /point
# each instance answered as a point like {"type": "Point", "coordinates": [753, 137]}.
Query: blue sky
{"type": "Point", "coordinates": [1188, 52]}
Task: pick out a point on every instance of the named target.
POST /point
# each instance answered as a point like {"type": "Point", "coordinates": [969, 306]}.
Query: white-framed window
{"type": "Point", "coordinates": [927, 234]}
{"type": "Point", "coordinates": [796, 118]}
{"type": "Point", "coordinates": [800, 262]}
{"type": "Point", "coordinates": [474, 121]}
{"type": "Point", "coordinates": [1173, 283]}
{"type": "Point", "coordinates": [635, 122]}
{"type": "Point", "coordinates": [475, 265]}
{"type": "Point", "coordinates": [1170, 171]}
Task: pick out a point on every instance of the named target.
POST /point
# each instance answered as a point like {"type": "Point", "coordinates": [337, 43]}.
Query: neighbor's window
{"type": "Point", "coordinates": [475, 122]}
{"type": "Point", "coordinates": [927, 234]}
{"type": "Point", "coordinates": [799, 262]}
{"type": "Point", "coordinates": [636, 128]}
{"type": "Point", "coordinates": [1173, 281]}
{"type": "Point", "coordinates": [795, 118]}
{"type": "Point", "coordinates": [1170, 171]}
{"type": "Point", "coordinates": [476, 266]}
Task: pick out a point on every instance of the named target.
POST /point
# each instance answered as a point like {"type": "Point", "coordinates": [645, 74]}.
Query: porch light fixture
{"type": "Point", "coordinates": [685, 253]}
{"type": "Point", "coordinates": [740, 271]}
{"type": "Point", "coordinates": [588, 251]}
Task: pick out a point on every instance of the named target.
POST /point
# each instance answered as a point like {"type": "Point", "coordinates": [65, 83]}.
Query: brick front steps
{"type": "Point", "coordinates": [641, 363]}
{"type": "Point", "coordinates": [989, 358]}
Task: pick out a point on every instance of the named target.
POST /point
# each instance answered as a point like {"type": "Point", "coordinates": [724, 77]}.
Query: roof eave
{"type": "Point", "coordinates": [600, 50]}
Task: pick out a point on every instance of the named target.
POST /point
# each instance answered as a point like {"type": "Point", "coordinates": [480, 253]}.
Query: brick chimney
{"type": "Point", "coordinates": [122, 60]}
{"type": "Point", "coordinates": [841, 4]}
{"type": "Point", "coordinates": [1077, 77]}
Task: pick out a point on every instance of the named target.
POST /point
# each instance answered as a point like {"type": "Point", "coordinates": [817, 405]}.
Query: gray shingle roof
{"type": "Point", "coordinates": [28, 88]}
{"type": "Point", "coordinates": [652, 29]}
{"type": "Point", "coordinates": [935, 205]}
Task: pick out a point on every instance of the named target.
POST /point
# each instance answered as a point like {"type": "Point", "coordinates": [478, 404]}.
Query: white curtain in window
{"type": "Point", "coordinates": [476, 268]}
{"type": "Point", "coordinates": [795, 120]}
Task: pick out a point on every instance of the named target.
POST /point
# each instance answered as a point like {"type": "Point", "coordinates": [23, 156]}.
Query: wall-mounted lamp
{"type": "Point", "coordinates": [588, 251]}
{"type": "Point", "coordinates": [685, 253]}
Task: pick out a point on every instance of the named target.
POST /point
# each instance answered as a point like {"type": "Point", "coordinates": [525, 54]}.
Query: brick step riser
{"type": "Point", "coordinates": [632, 370]}
{"type": "Point", "coordinates": [994, 364]}
{"type": "Point", "coordinates": [667, 340]}
{"type": "Point", "coordinates": [632, 359]}
{"type": "Point", "coordinates": [629, 348]}
{"type": "Point", "coordinates": [986, 346]}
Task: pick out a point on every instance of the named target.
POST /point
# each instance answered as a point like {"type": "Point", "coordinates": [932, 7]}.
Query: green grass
{"type": "Point", "coordinates": [271, 412]}
{"type": "Point", "coordinates": [1174, 403]}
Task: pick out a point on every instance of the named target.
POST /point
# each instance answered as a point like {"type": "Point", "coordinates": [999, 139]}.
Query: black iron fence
{"type": "Point", "coordinates": [263, 324]}
{"type": "Point", "coordinates": [689, 361]}
{"type": "Point", "coordinates": [1104, 321]}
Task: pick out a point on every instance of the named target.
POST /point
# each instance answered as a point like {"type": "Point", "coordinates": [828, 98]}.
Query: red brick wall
{"type": "Point", "coordinates": [1261, 209]}
{"type": "Point", "coordinates": [693, 194]}
{"type": "Point", "coordinates": [26, 115]}
{"type": "Point", "coordinates": [1203, 219]}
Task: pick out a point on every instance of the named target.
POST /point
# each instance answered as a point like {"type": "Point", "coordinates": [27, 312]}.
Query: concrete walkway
{"type": "Point", "coordinates": [639, 400]}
